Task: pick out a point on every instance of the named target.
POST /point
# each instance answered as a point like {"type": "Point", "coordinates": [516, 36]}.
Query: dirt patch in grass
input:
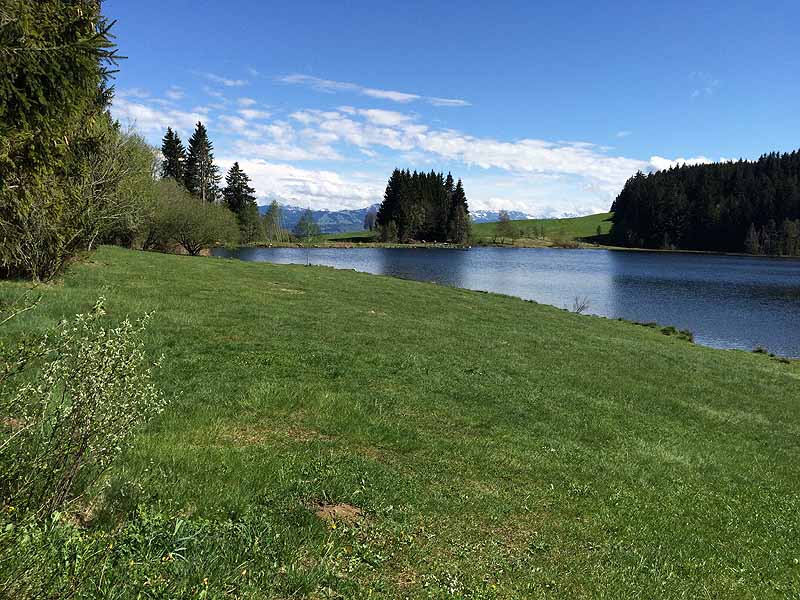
{"type": "Point", "coordinates": [290, 291]}
{"type": "Point", "coordinates": [337, 512]}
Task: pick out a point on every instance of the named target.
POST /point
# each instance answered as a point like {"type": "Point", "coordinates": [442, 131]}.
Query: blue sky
{"type": "Point", "coordinates": [545, 108]}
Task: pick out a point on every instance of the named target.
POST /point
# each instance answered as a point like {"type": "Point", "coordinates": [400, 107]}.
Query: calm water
{"type": "Point", "coordinates": [727, 301]}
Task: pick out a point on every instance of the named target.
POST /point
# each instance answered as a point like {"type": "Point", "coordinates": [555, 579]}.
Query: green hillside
{"type": "Point", "coordinates": [554, 230]}
{"type": "Point", "coordinates": [468, 445]}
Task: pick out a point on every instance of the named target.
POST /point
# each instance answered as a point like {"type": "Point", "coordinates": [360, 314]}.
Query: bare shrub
{"type": "Point", "coordinates": [580, 304]}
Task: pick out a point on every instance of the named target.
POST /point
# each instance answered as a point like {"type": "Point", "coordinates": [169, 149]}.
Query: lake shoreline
{"type": "Point", "coordinates": [669, 288]}
{"type": "Point", "coordinates": [335, 245]}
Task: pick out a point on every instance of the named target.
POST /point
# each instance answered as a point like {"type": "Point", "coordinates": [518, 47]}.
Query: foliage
{"type": "Point", "coordinates": [61, 430]}
{"type": "Point", "coordinates": [55, 60]}
{"type": "Point", "coordinates": [173, 156]}
{"type": "Point", "coordinates": [121, 189]}
{"type": "Point", "coordinates": [240, 198]}
{"type": "Point", "coordinates": [306, 228]}
{"type": "Point", "coordinates": [180, 219]}
{"type": "Point", "coordinates": [201, 175]}
{"type": "Point", "coordinates": [734, 206]}
{"type": "Point", "coordinates": [272, 224]}
{"type": "Point", "coordinates": [504, 228]}
{"type": "Point", "coordinates": [423, 206]}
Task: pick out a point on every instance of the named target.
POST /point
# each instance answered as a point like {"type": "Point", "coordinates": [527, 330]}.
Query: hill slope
{"type": "Point", "coordinates": [497, 448]}
{"type": "Point", "coordinates": [568, 229]}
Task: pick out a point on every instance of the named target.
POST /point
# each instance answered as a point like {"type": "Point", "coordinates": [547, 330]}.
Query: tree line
{"type": "Point", "coordinates": [743, 206]}
{"type": "Point", "coordinates": [423, 207]}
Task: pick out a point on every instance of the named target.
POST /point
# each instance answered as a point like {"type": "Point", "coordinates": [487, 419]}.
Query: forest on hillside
{"type": "Point", "coordinates": [423, 207]}
{"type": "Point", "coordinates": [744, 206]}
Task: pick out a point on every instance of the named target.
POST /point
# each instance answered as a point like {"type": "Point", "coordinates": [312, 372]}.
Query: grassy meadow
{"type": "Point", "coordinates": [536, 232]}
{"type": "Point", "coordinates": [467, 445]}
{"type": "Point", "coordinates": [527, 233]}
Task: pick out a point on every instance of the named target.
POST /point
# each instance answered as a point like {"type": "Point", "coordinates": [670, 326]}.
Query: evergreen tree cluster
{"type": "Point", "coordinates": [423, 206]}
{"type": "Point", "coordinates": [744, 206]}
{"type": "Point", "coordinates": [195, 170]}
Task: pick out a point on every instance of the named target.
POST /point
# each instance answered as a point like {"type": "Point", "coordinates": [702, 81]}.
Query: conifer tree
{"type": "Point", "coordinates": [237, 193]}
{"type": "Point", "coordinates": [174, 156]}
{"type": "Point", "coordinates": [201, 175]}
{"type": "Point", "coordinates": [240, 198]}
{"type": "Point", "coordinates": [423, 206]}
{"type": "Point", "coordinates": [459, 224]}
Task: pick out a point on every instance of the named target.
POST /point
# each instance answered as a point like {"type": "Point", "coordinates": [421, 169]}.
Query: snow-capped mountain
{"type": "Point", "coordinates": [341, 221]}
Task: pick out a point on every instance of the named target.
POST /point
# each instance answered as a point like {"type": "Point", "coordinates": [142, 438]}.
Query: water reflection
{"type": "Point", "coordinates": [727, 301]}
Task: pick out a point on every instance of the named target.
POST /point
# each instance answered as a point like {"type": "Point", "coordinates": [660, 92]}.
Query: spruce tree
{"type": "Point", "coordinates": [237, 193]}
{"type": "Point", "coordinates": [240, 198]}
{"type": "Point", "coordinates": [459, 224]}
{"type": "Point", "coordinates": [201, 176]}
{"type": "Point", "coordinates": [174, 156]}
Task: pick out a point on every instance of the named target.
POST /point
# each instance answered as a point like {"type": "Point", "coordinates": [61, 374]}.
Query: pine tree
{"type": "Point", "coordinates": [174, 156]}
{"type": "Point", "coordinates": [237, 193]}
{"type": "Point", "coordinates": [459, 225]}
{"type": "Point", "coordinates": [423, 206]}
{"type": "Point", "coordinates": [201, 176]}
{"type": "Point", "coordinates": [240, 198]}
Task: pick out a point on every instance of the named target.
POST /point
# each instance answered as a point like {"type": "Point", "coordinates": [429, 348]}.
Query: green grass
{"type": "Point", "coordinates": [498, 448]}
{"type": "Point", "coordinates": [555, 230]}
{"type": "Point", "coordinates": [352, 236]}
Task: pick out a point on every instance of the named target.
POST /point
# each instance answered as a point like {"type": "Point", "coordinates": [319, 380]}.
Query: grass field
{"type": "Point", "coordinates": [496, 448]}
{"type": "Point", "coordinates": [532, 232]}
{"type": "Point", "coordinates": [558, 231]}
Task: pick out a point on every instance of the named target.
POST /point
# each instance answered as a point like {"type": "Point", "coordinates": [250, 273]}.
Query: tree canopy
{"type": "Point", "coordinates": [744, 206]}
{"type": "Point", "coordinates": [174, 156]}
{"type": "Point", "coordinates": [423, 206]}
{"type": "Point", "coordinates": [201, 176]}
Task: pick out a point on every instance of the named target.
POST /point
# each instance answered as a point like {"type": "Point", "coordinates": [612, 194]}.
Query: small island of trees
{"type": "Point", "coordinates": [423, 207]}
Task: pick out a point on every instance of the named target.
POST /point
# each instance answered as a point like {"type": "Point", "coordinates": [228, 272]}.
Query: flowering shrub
{"type": "Point", "coordinates": [61, 429]}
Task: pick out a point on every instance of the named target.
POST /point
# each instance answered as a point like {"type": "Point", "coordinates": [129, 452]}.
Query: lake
{"type": "Point", "coordinates": [726, 301]}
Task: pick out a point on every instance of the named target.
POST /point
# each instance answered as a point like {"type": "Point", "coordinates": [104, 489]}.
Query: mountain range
{"type": "Point", "coordinates": [341, 221]}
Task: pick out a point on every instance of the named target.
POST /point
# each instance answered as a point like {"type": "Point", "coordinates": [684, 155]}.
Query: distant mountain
{"type": "Point", "coordinates": [342, 221]}
{"type": "Point", "coordinates": [329, 221]}
{"type": "Point", "coordinates": [492, 216]}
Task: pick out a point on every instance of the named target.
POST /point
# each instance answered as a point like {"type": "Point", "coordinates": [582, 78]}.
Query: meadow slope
{"type": "Point", "coordinates": [496, 448]}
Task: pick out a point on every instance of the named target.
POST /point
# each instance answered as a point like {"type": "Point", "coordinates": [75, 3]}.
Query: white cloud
{"type": "Point", "coordinates": [246, 101]}
{"type": "Point", "coordinates": [390, 95]}
{"type": "Point", "coordinates": [448, 102]}
{"type": "Point", "coordinates": [401, 132]}
{"type": "Point", "coordinates": [623, 134]}
{"type": "Point", "coordinates": [319, 189]}
{"type": "Point", "coordinates": [155, 120]}
{"type": "Point", "coordinates": [330, 86]}
{"type": "Point", "coordinates": [250, 114]}
{"type": "Point", "coordinates": [385, 117]}
{"type": "Point", "coordinates": [658, 163]}
{"type": "Point", "coordinates": [223, 80]}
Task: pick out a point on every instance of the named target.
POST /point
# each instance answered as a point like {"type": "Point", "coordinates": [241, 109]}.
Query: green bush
{"type": "Point", "coordinates": [56, 196]}
{"type": "Point", "coordinates": [62, 428]}
{"type": "Point", "coordinates": [178, 219]}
